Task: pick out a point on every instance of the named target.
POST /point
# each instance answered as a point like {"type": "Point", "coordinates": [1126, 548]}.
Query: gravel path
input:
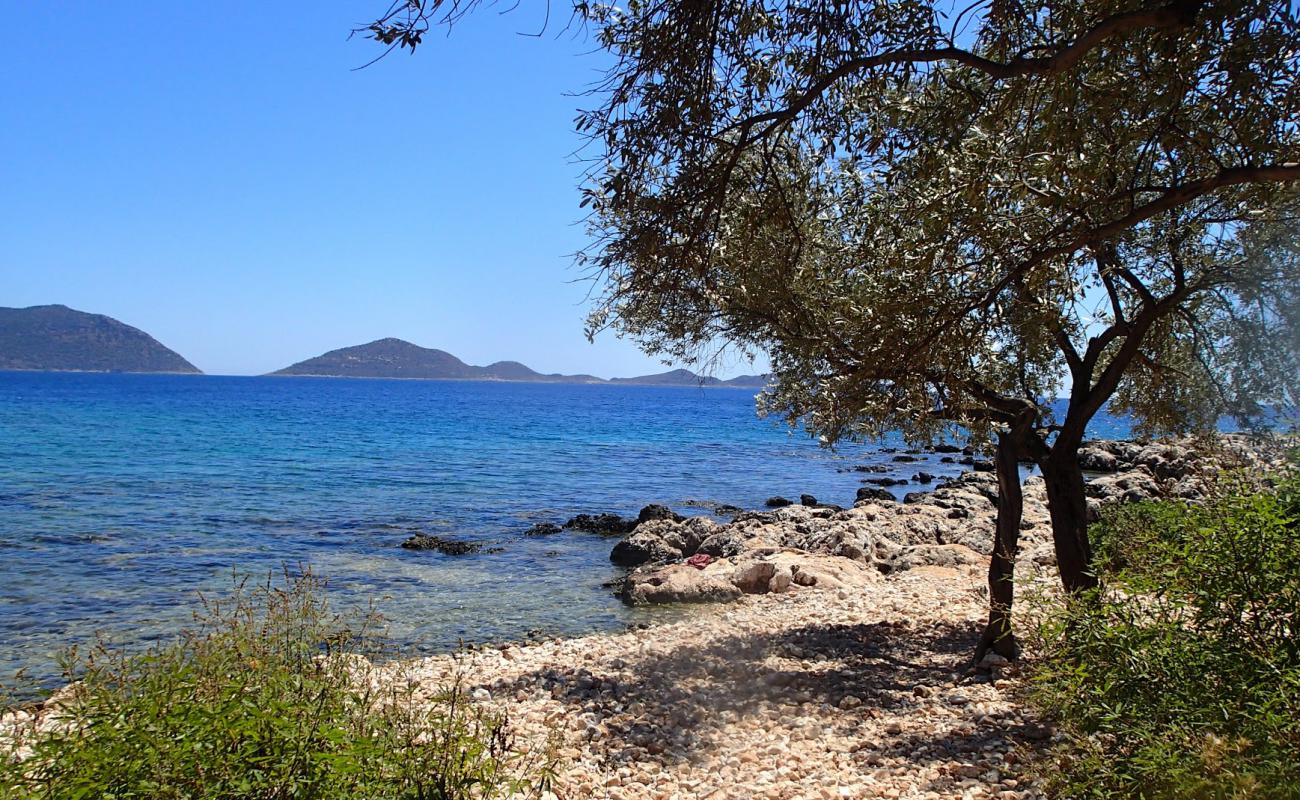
{"type": "Point", "coordinates": [862, 693]}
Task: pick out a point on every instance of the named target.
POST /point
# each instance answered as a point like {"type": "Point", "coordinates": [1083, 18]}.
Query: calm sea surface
{"type": "Point", "coordinates": [121, 496]}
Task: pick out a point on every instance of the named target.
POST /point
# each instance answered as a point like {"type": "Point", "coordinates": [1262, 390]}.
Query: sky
{"type": "Point", "coordinates": [221, 176]}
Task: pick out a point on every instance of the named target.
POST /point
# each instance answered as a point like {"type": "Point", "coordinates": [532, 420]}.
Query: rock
{"type": "Point", "coordinates": [868, 494]}
{"type": "Point", "coordinates": [543, 529]}
{"type": "Point", "coordinates": [640, 548]}
{"type": "Point", "coordinates": [923, 477]}
{"type": "Point", "coordinates": [1095, 459]}
{"type": "Point", "coordinates": [657, 512]}
{"type": "Point", "coordinates": [982, 465]}
{"type": "Point", "coordinates": [947, 448]}
{"type": "Point", "coordinates": [807, 500]}
{"type": "Point", "coordinates": [886, 481]}
{"type": "Point", "coordinates": [780, 582]}
{"type": "Point", "coordinates": [680, 583]}
{"type": "Point", "coordinates": [993, 660]}
{"type": "Point", "coordinates": [850, 702]}
{"type": "Point", "coordinates": [726, 542]}
{"type": "Point", "coordinates": [777, 502]}
{"type": "Point", "coordinates": [754, 577]}
{"type": "Point", "coordinates": [450, 547]}
{"type": "Point", "coordinates": [605, 524]}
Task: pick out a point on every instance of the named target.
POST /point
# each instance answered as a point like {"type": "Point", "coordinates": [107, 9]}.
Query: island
{"type": "Point", "coordinates": [397, 358]}
{"type": "Point", "coordinates": [56, 338]}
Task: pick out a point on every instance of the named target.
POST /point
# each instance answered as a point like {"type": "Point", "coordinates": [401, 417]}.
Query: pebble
{"type": "Point", "coordinates": [792, 696]}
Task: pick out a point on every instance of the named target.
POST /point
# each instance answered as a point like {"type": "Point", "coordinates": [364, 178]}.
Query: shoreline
{"type": "Point", "coordinates": [859, 683]}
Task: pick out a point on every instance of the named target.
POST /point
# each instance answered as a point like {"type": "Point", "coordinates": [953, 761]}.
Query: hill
{"type": "Point", "coordinates": [58, 338]}
{"type": "Point", "coordinates": [395, 358]}
{"type": "Point", "coordinates": [684, 377]}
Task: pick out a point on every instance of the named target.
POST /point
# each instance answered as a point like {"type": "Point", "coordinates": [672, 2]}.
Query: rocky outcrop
{"type": "Point", "coordinates": [951, 526]}
{"type": "Point", "coordinates": [757, 572]}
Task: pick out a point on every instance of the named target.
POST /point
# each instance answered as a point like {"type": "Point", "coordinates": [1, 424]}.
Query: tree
{"type": "Point", "coordinates": [931, 222]}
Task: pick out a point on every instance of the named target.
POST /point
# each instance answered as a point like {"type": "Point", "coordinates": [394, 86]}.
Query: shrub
{"type": "Point", "coordinates": [1180, 677]}
{"type": "Point", "coordinates": [266, 698]}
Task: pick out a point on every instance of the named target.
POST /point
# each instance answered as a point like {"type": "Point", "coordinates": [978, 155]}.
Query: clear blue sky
{"type": "Point", "coordinates": [218, 175]}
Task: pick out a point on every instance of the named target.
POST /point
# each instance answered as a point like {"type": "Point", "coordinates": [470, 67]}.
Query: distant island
{"type": "Point", "coordinates": [396, 358]}
{"type": "Point", "coordinates": [58, 338]}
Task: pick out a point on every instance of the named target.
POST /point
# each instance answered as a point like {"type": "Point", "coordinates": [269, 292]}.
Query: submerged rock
{"type": "Point", "coordinates": [450, 547]}
{"type": "Point", "coordinates": [543, 529]}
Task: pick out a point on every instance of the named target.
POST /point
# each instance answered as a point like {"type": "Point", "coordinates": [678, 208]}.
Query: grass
{"type": "Point", "coordinates": [1180, 678]}
{"type": "Point", "coordinates": [266, 698]}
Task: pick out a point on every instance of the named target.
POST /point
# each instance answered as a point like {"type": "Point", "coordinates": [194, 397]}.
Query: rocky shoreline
{"type": "Point", "coordinates": [697, 559]}
{"type": "Point", "coordinates": [830, 655]}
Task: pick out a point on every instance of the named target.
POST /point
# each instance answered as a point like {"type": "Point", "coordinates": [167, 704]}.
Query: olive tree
{"type": "Point", "coordinates": [935, 218]}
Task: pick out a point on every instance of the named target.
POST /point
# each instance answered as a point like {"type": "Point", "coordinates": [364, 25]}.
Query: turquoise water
{"type": "Point", "coordinates": [121, 496]}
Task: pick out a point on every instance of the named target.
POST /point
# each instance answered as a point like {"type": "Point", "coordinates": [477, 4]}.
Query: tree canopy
{"type": "Point", "coordinates": [934, 216]}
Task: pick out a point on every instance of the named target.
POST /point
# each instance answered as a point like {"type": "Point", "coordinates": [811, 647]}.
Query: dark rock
{"type": "Point", "coordinates": [606, 524]}
{"type": "Point", "coordinates": [905, 459]}
{"type": "Point", "coordinates": [948, 460]}
{"type": "Point", "coordinates": [982, 465]}
{"type": "Point", "coordinates": [915, 497]}
{"type": "Point", "coordinates": [777, 502]}
{"type": "Point", "coordinates": [886, 481]}
{"type": "Point", "coordinates": [807, 500]}
{"type": "Point", "coordinates": [543, 529]}
{"type": "Point", "coordinates": [451, 547]}
{"type": "Point", "coordinates": [947, 448]}
{"type": "Point", "coordinates": [652, 512]}
{"type": "Point", "coordinates": [634, 551]}
{"type": "Point", "coordinates": [723, 509]}
{"type": "Point", "coordinates": [867, 493]}
{"type": "Point", "coordinates": [871, 468]}
{"type": "Point", "coordinates": [967, 460]}
{"type": "Point", "coordinates": [923, 477]}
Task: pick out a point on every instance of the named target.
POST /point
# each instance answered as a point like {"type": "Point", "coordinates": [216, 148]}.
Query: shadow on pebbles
{"type": "Point", "coordinates": [858, 693]}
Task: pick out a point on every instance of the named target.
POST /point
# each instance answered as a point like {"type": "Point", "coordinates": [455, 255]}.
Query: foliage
{"type": "Point", "coordinates": [1182, 679]}
{"type": "Point", "coordinates": [267, 698]}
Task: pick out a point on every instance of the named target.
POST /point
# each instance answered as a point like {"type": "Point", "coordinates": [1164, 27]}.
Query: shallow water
{"type": "Point", "coordinates": [121, 496]}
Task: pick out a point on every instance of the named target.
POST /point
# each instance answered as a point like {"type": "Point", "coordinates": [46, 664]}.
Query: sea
{"type": "Point", "coordinates": [123, 497]}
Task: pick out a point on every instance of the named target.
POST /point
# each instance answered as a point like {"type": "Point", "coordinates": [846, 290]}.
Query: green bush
{"type": "Point", "coordinates": [1180, 677]}
{"type": "Point", "coordinates": [265, 699]}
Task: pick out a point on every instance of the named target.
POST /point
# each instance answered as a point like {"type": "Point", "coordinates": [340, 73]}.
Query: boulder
{"type": "Point", "coordinates": [680, 583]}
{"type": "Point", "coordinates": [1095, 459]}
{"type": "Point", "coordinates": [807, 500]}
{"type": "Point", "coordinates": [657, 512]}
{"type": "Point", "coordinates": [604, 524]}
{"type": "Point", "coordinates": [867, 494]}
{"type": "Point", "coordinates": [777, 502]}
{"type": "Point", "coordinates": [639, 549]}
{"type": "Point", "coordinates": [754, 577]}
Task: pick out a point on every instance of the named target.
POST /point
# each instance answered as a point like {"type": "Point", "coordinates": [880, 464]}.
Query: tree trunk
{"type": "Point", "coordinates": [1068, 505]}
{"type": "Point", "coordinates": [998, 636]}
